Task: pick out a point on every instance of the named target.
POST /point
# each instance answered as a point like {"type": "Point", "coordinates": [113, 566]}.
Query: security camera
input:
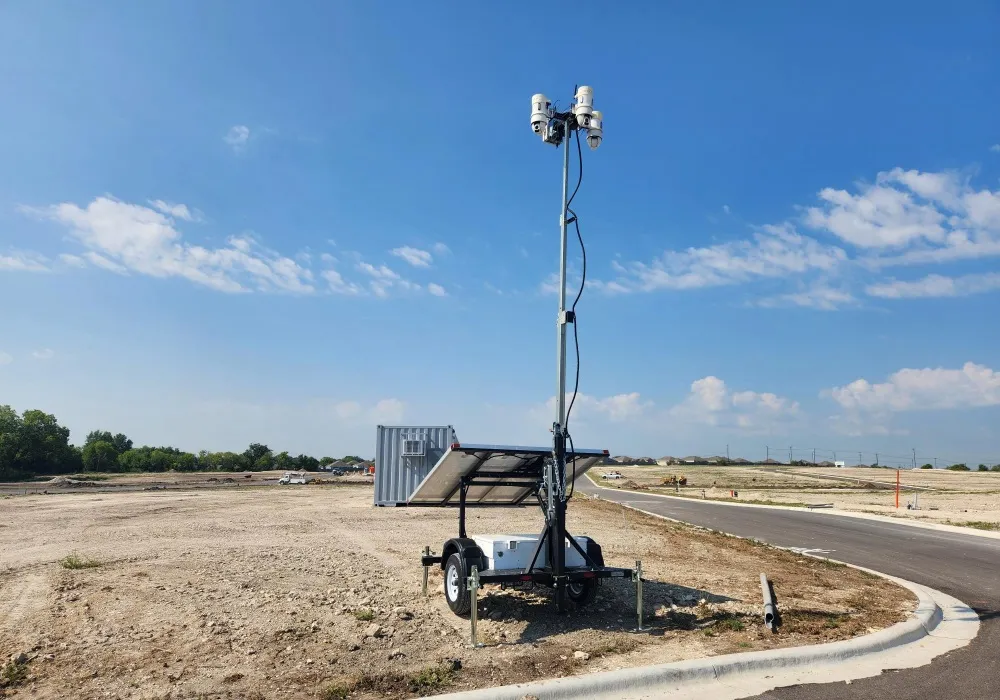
{"type": "Point", "coordinates": [584, 107]}
{"type": "Point", "coordinates": [540, 113]}
{"type": "Point", "coordinates": [596, 131]}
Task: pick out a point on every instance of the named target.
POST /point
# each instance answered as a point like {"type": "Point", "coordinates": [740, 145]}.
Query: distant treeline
{"type": "Point", "coordinates": [34, 444]}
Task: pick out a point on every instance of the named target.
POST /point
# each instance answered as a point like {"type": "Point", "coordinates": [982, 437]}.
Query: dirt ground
{"type": "Point", "coordinates": [312, 592]}
{"type": "Point", "coordinates": [959, 498]}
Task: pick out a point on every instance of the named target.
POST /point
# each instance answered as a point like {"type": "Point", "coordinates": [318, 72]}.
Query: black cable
{"type": "Point", "coordinates": [583, 282]}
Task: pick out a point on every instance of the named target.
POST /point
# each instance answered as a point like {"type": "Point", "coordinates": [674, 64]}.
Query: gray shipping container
{"type": "Point", "coordinates": [404, 455]}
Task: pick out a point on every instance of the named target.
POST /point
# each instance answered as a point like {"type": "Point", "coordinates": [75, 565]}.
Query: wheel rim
{"type": "Point", "coordinates": [452, 583]}
{"type": "Point", "coordinates": [576, 589]}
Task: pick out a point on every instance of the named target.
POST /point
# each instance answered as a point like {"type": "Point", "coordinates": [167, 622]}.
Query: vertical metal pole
{"type": "Point", "coordinates": [473, 585]}
{"type": "Point", "coordinates": [897, 488]}
{"type": "Point", "coordinates": [638, 591]}
{"type": "Point", "coordinates": [461, 510]}
{"type": "Point", "coordinates": [561, 318]}
{"type": "Point", "coordinates": [427, 553]}
{"type": "Point", "coordinates": [557, 483]}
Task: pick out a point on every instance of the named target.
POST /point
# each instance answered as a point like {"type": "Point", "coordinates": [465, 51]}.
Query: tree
{"type": "Point", "coordinates": [957, 468]}
{"type": "Point", "coordinates": [43, 446]}
{"type": "Point", "coordinates": [259, 457]}
{"type": "Point", "coordinates": [99, 456]}
{"type": "Point", "coordinates": [995, 468]}
{"type": "Point", "coordinates": [221, 461]}
{"type": "Point", "coordinates": [983, 468]}
{"type": "Point", "coordinates": [326, 460]}
{"type": "Point", "coordinates": [120, 441]}
{"type": "Point", "coordinates": [284, 461]}
{"type": "Point", "coordinates": [306, 463]}
{"type": "Point", "coordinates": [926, 466]}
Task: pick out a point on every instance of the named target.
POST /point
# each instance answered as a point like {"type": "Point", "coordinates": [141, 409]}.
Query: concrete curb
{"type": "Point", "coordinates": [699, 676]}
{"type": "Point", "coordinates": [940, 527]}
{"type": "Point", "coordinates": [659, 678]}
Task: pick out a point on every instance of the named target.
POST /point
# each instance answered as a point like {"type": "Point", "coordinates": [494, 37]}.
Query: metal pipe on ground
{"type": "Point", "coordinates": [770, 609]}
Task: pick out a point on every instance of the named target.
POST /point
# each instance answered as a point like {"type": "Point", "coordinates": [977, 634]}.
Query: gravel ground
{"type": "Point", "coordinates": [311, 592]}
{"type": "Point", "coordinates": [958, 498]}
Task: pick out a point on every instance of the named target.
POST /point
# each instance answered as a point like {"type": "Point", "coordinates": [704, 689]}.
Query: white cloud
{"type": "Point", "coordinates": [384, 280]}
{"type": "Point", "coordinates": [817, 297]}
{"type": "Point", "coordinates": [138, 239]}
{"type": "Point", "coordinates": [441, 249]}
{"type": "Point", "coordinates": [921, 217]}
{"type": "Point", "coordinates": [711, 402]}
{"type": "Point", "coordinates": [178, 211]}
{"type": "Point", "coordinates": [922, 389]}
{"type": "Point", "coordinates": [72, 260]}
{"type": "Point", "coordinates": [936, 286]}
{"type": "Point", "coordinates": [237, 137]}
{"type": "Point", "coordinates": [5, 358]}
{"type": "Point", "coordinates": [437, 290]}
{"type": "Point", "coordinates": [387, 412]}
{"type": "Point", "coordinates": [24, 261]}
{"type": "Point", "coordinates": [414, 256]}
{"type": "Point", "coordinates": [775, 251]}
{"type": "Point", "coordinates": [995, 148]}
{"type": "Point", "coordinates": [102, 262]}
{"type": "Point", "coordinates": [338, 285]}
{"type": "Point", "coordinates": [725, 208]}
{"type": "Point", "coordinates": [43, 354]}
{"type": "Point", "coordinates": [588, 409]}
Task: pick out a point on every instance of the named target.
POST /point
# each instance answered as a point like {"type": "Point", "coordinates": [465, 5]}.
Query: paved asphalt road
{"type": "Point", "coordinates": [964, 566]}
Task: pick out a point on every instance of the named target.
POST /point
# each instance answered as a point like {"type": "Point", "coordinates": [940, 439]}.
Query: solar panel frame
{"type": "Point", "coordinates": [498, 474]}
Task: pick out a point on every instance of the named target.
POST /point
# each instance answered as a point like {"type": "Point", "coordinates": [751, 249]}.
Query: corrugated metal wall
{"type": "Point", "coordinates": [396, 476]}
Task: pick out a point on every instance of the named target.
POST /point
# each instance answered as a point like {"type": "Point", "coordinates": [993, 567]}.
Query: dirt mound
{"type": "Point", "coordinates": [66, 482]}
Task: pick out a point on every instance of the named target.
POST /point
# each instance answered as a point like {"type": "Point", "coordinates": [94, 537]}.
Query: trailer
{"type": "Point", "coordinates": [477, 476]}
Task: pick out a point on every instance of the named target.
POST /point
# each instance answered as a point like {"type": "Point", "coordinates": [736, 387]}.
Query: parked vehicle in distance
{"type": "Point", "coordinates": [612, 475]}
{"type": "Point", "coordinates": [293, 478]}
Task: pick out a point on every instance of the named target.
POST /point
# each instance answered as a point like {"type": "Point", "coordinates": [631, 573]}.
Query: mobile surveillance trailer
{"type": "Point", "coordinates": [470, 476]}
{"type": "Point", "coordinates": [491, 475]}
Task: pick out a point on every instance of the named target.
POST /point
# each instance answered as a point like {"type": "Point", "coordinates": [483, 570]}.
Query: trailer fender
{"type": "Point", "coordinates": [468, 549]}
{"type": "Point", "coordinates": [594, 552]}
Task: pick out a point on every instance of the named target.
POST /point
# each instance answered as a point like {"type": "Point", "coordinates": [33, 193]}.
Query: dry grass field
{"type": "Point", "coordinates": [959, 498]}
{"type": "Point", "coordinates": [312, 592]}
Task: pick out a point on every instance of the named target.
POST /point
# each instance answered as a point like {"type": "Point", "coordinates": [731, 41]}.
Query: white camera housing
{"type": "Point", "coordinates": [596, 131]}
{"type": "Point", "coordinates": [584, 107]}
{"type": "Point", "coordinates": [540, 113]}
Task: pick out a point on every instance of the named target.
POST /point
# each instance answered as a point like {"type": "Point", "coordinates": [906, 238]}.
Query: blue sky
{"type": "Point", "coordinates": [291, 223]}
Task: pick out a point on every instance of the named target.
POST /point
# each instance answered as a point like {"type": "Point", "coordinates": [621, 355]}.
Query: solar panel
{"type": "Point", "coordinates": [522, 467]}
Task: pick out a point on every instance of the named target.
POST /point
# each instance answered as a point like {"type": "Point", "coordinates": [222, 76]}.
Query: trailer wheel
{"type": "Point", "coordinates": [582, 592]}
{"type": "Point", "coordinates": [455, 590]}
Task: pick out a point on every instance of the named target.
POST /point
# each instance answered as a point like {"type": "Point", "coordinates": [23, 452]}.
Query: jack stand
{"type": "Point", "coordinates": [473, 585]}
{"type": "Point", "coordinates": [637, 577]}
{"type": "Point", "coordinates": [427, 553]}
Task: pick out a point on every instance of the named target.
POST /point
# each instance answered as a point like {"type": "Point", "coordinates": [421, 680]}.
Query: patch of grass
{"type": "Point", "coordinates": [75, 561]}
{"type": "Point", "coordinates": [336, 691]}
{"type": "Point", "coordinates": [364, 615]}
{"type": "Point", "coordinates": [732, 623]}
{"type": "Point", "coordinates": [709, 632]}
{"type": "Point", "coordinates": [831, 623]}
{"type": "Point", "coordinates": [431, 680]}
{"type": "Point", "coordinates": [744, 645]}
{"type": "Point", "coordinates": [977, 524]}
{"type": "Point", "coordinates": [13, 674]}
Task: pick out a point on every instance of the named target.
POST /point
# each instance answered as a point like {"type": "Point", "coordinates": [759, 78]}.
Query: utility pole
{"type": "Point", "coordinates": [914, 457]}
{"type": "Point", "coordinates": [859, 459]}
{"type": "Point", "coordinates": [727, 454]}
{"type": "Point", "coordinates": [768, 453]}
{"type": "Point", "coordinates": [814, 456]}
{"type": "Point", "coordinates": [789, 454]}
{"type": "Point", "coordinates": [876, 459]}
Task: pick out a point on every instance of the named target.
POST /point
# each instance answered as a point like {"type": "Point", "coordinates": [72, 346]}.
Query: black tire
{"type": "Point", "coordinates": [583, 592]}
{"type": "Point", "coordinates": [455, 590]}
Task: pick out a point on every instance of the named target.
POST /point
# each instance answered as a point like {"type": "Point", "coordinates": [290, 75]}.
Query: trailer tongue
{"type": "Point", "coordinates": [470, 476]}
